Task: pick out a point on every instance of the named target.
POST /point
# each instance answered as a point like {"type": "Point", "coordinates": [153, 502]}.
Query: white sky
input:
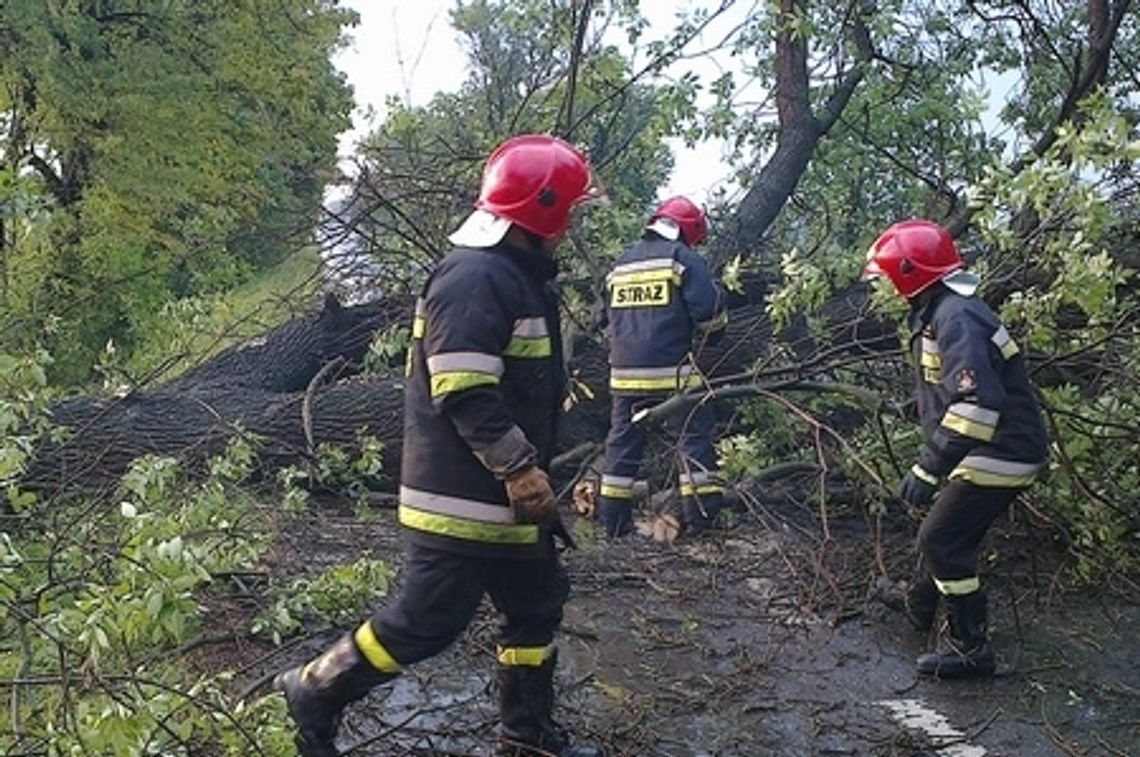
{"type": "Point", "coordinates": [408, 49]}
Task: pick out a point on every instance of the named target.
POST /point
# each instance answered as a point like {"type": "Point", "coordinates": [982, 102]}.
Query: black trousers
{"type": "Point", "coordinates": [625, 443]}
{"type": "Point", "coordinates": [955, 526]}
{"type": "Point", "coordinates": [442, 591]}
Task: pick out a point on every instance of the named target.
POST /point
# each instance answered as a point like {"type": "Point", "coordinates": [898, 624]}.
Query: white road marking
{"type": "Point", "coordinates": [913, 713]}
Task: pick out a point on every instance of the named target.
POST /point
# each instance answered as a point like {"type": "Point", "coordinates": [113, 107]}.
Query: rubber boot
{"type": "Point", "coordinates": [968, 653]}
{"type": "Point", "coordinates": [697, 517]}
{"type": "Point", "coordinates": [616, 516]}
{"type": "Point", "coordinates": [526, 706]}
{"type": "Point", "coordinates": [318, 692]}
{"type": "Point", "coordinates": [916, 599]}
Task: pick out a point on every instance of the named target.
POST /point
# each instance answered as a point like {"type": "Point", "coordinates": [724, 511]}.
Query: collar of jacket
{"type": "Point", "coordinates": [923, 306]}
{"type": "Point", "coordinates": [535, 263]}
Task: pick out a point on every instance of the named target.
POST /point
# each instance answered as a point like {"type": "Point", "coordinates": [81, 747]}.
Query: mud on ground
{"type": "Point", "coordinates": [763, 639]}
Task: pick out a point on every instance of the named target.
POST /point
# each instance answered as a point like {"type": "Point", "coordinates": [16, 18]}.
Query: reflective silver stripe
{"type": "Point", "coordinates": [958, 586]}
{"type": "Point", "coordinates": [671, 371]}
{"type": "Point", "coordinates": [467, 362]}
{"type": "Point", "coordinates": [616, 487]}
{"type": "Point", "coordinates": [991, 471]}
{"type": "Point", "coordinates": [1004, 342]}
{"type": "Point", "coordinates": [456, 506]}
{"type": "Point", "coordinates": [924, 474]}
{"type": "Point", "coordinates": [975, 413]}
{"type": "Point", "coordinates": [529, 328]}
{"type": "Point", "coordinates": [625, 482]}
{"type": "Point", "coordinates": [648, 265]}
{"type": "Point", "coordinates": [419, 321]}
{"type": "Point", "coordinates": [996, 465]}
{"type": "Point", "coordinates": [699, 478]}
{"type": "Point", "coordinates": [929, 346]}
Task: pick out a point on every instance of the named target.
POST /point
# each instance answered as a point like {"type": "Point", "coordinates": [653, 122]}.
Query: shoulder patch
{"type": "Point", "coordinates": [965, 380]}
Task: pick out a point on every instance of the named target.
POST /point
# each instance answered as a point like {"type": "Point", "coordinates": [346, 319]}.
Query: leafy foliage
{"type": "Point", "coordinates": [154, 152]}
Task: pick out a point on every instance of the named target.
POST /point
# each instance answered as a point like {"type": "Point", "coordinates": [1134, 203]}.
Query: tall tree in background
{"type": "Point", "coordinates": [154, 151]}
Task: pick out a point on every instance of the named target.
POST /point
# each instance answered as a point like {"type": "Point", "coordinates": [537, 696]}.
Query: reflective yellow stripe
{"type": "Point", "coordinates": [991, 471]}
{"type": "Point", "coordinates": [419, 326]}
{"type": "Point", "coordinates": [932, 375]}
{"type": "Point", "coordinates": [958, 586]}
{"type": "Point", "coordinates": [645, 383]}
{"type": "Point", "coordinates": [615, 492]}
{"type": "Point", "coordinates": [457, 381]}
{"type": "Point", "coordinates": [688, 490]}
{"type": "Point", "coordinates": [930, 360]}
{"type": "Point", "coordinates": [924, 474]}
{"type": "Point", "coordinates": [967, 427]}
{"type": "Point", "coordinates": [520, 346]}
{"type": "Point", "coordinates": [1005, 343]}
{"type": "Point", "coordinates": [373, 650]}
{"type": "Point", "coordinates": [530, 657]}
{"type": "Point", "coordinates": [464, 528]}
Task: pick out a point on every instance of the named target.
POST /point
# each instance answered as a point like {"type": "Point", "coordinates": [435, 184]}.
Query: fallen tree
{"type": "Point", "coordinates": [301, 386]}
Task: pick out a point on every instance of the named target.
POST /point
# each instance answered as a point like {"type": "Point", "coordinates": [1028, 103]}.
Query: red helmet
{"type": "Point", "coordinates": [913, 255]}
{"type": "Point", "coordinates": [534, 180]}
{"type": "Point", "coordinates": [688, 217]}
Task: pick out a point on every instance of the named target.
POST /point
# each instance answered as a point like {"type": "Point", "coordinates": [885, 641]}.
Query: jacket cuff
{"type": "Point", "coordinates": [924, 475]}
{"type": "Point", "coordinates": [935, 464]}
{"type": "Point", "coordinates": [509, 454]}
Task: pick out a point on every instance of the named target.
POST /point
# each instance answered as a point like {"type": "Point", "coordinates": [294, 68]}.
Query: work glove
{"type": "Point", "coordinates": [919, 487]}
{"type": "Point", "coordinates": [531, 497]}
{"type": "Point", "coordinates": [615, 515]}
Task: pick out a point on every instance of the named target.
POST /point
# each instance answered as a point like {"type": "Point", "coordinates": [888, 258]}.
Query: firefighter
{"type": "Point", "coordinates": [663, 305]}
{"type": "Point", "coordinates": [484, 380]}
{"type": "Point", "coordinates": [985, 438]}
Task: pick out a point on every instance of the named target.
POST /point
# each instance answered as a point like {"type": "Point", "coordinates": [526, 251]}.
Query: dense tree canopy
{"type": "Point", "coordinates": [152, 154]}
{"type": "Point", "coordinates": [154, 151]}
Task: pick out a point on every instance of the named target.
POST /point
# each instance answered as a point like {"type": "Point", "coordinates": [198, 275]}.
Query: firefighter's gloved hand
{"type": "Point", "coordinates": [615, 515]}
{"type": "Point", "coordinates": [919, 487]}
{"type": "Point", "coordinates": [531, 497]}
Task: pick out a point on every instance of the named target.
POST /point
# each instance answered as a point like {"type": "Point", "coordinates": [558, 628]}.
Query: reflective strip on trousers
{"type": "Point", "coordinates": [958, 586]}
{"type": "Point", "coordinates": [373, 651]}
{"type": "Point", "coordinates": [699, 482]}
{"type": "Point", "coordinates": [616, 487]}
{"type": "Point", "coordinates": [668, 378]}
{"type": "Point", "coordinates": [529, 657]}
{"type": "Point", "coordinates": [991, 471]}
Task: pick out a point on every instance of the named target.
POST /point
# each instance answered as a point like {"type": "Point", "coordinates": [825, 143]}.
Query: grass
{"type": "Point", "coordinates": [186, 332]}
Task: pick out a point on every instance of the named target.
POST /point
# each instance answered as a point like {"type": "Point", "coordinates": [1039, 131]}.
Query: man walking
{"type": "Point", "coordinates": [484, 382]}
{"type": "Point", "coordinates": [663, 305]}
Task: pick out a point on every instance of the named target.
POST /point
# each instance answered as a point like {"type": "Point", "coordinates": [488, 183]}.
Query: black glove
{"type": "Point", "coordinates": [919, 487]}
{"type": "Point", "coordinates": [616, 515]}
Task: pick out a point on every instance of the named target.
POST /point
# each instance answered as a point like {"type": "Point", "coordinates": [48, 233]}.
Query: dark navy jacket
{"type": "Point", "coordinates": [484, 382]}
{"type": "Point", "coordinates": [976, 404]}
{"type": "Point", "coordinates": [661, 295]}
